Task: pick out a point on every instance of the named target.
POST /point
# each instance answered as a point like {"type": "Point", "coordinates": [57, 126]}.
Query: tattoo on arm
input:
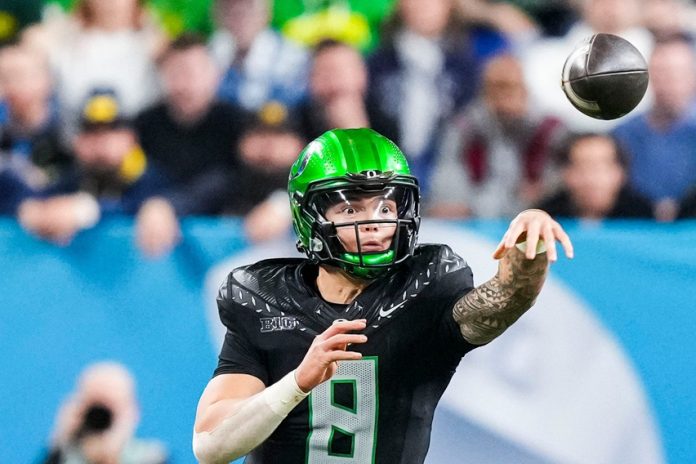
{"type": "Point", "coordinates": [492, 307]}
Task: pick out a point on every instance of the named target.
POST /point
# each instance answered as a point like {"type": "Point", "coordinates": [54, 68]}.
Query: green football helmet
{"type": "Point", "coordinates": [353, 165]}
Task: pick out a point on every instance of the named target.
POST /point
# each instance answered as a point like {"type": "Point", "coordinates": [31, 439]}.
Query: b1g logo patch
{"type": "Point", "coordinates": [274, 324]}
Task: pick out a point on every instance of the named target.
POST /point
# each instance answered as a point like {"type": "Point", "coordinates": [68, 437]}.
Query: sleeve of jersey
{"type": "Point", "coordinates": [238, 355]}
{"type": "Point", "coordinates": [454, 280]}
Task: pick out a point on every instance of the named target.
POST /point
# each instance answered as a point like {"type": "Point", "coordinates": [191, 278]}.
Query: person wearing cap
{"type": "Point", "coordinates": [267, 150]}
{"type": "Point", "coordinates": [112, 176]}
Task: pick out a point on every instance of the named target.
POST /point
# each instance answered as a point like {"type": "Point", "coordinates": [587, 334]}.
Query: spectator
{"type": "Point", "coordinates": [112, 177]}
{"type": "Point", "coordinates": [426, 69]}
{"type": "Point", "coordinates": [687, 209]}
{"type": "Point", "coordinates": [15, 15]}
{"type": "Point", "coordinates": [193, 138]}
{"type": "Point", "coordinates": [355, 23]}
{"type": "Point", "coordinates": [267, 151]}
{"type": "Point", "coordinates": [103, 44]}
{"type": "Point", "coordinates": [259, 64]}
{"type": "Point", "coordinates": [554, 17]}
{"type": "Point", "coordinates": [515, 19]}
{"type": "Point", "coordinates": [661, 143]}
{"type": "Point", "coordinates": [12, 191]}
{"type": "Point", "coordinates": [495, 156]}
{"type": "Point", "coordinates": [543, 60]}
{"type": "Point", "coordinates": [97, 422]}
{"type": "Point", "coordinates": [594, 177]}
{"type": "Point", "coordinates": [668, 17]}
{"type": "Point", "coordinates": [338, 94]}
{"type": "Point", "coordinates": [30, 138]}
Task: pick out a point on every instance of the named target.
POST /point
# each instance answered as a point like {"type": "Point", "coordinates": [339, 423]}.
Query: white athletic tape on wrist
{"type": "Point", "coordinates": [250, 424]}
{"type": "Point", "coordinates": [540, 248]}
{"type": "Point", "coordinates": [284, 395]}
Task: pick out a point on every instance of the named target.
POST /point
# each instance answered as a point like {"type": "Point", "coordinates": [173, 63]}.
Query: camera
{"type": "Point", "coordinates": [96, 419]}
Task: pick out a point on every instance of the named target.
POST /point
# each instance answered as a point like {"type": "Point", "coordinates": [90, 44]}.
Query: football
{"type": "Point", "coordinates": [605, 76]}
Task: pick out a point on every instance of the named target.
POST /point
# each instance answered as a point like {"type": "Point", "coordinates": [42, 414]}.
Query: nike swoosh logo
{"type": "Point", "coordinates": [383, 313]}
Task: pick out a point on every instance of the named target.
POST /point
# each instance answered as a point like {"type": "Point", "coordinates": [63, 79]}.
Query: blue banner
{"type": "Point", "coordinates": [613, 331]}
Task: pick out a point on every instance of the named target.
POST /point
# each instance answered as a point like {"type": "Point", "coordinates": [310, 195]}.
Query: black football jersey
{"type": "Point", "coordinates": [377, 409]}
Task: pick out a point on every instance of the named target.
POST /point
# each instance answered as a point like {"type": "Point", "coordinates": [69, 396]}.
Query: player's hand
{"type": "Point", "coordinates": [320, 362]}
{"type": "Point", "coordinates": [530, 226]}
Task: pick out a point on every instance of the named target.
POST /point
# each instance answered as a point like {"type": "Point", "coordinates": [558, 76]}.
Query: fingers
{"type": "Point", "coordinates": [532, 239]}
{"type": "Point", "coordinates": [500, 250]}
{"type": "Point", "coordinates": [562, 237]}
{"type": "Point", "coordinates": [531, 226]}
{"type": "Point", "coordinates": [342, 340]}
{"type": "Point", "coordinates": [550, 241]}
{"type": "Point", "coordinates": [343, 327]}
{"type": "Point", "coordinates": [329, 347]}
{"type": "Point", "coordinates": [516, 229]}
{"type": "Point", "coordinates": [332, 344]}
{"type": "Point", "coordinates": [509, 239]}
{"type": "Point", "coordinates": [341, 355]}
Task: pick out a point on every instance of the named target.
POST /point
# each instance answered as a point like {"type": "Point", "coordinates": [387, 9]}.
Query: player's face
{"type": "Point", "coordinates": [351, 208]}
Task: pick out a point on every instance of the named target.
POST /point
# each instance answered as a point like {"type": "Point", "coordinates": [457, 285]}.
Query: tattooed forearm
{"type": "Point", "coordinates": [489, 309]}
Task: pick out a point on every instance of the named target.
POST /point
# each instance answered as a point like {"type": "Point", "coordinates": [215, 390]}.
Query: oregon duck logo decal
{"type": "Point", "coordinates": [302, 163]}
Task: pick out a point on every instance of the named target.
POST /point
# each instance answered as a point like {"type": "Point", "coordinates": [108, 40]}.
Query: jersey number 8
{"type": "Point", "coordinates": [343, 415]}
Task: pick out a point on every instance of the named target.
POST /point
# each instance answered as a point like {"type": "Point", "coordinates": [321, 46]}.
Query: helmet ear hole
{"type": "Point", "coordinates": [317, 245]}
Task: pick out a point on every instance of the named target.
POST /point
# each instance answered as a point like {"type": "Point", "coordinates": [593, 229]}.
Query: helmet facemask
{"type": "Point", "coordinates": [363, 227]}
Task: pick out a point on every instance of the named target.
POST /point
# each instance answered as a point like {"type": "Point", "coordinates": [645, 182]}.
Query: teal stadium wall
{"type": "Point", "coordinates": [62, 308]}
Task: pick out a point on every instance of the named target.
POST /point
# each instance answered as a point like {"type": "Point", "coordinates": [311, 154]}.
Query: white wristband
{"type": "Point", "coordinates": [284, 395]}
{"type": "Point", "coordinates": [540, 248]}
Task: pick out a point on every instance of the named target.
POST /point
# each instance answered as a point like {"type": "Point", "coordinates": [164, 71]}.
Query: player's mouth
{"type": "Point", "coordinates": [372, 246]}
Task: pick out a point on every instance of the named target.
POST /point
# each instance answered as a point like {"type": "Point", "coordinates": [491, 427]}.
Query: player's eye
{"type": "Point", "coordinates": [386, 210]}
{"type": "Point", "coordinates": [348, 210]}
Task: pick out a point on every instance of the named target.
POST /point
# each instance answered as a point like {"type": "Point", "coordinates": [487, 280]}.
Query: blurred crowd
{"type": "Point", "coordinates": [105, 111]}
{"type": "Point", "coordinates": [119, 107]}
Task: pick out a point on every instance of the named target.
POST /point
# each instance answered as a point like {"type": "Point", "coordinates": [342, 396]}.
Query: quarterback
{"type": "Point", "coordinates": [342, 357]}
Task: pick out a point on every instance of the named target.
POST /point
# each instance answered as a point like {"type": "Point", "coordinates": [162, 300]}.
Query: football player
{"type": "Point", "coordinates": [343, 357]}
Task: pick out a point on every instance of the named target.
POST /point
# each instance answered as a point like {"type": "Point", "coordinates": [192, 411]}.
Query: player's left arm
{"type": "Point", "coordinates": [489, 309]}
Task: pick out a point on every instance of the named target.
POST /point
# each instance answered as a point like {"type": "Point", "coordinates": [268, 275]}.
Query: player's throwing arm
{"type": "Point", "coordinates": [237, 412]}
{"type": "Point", "coordinates": [524, 253]}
